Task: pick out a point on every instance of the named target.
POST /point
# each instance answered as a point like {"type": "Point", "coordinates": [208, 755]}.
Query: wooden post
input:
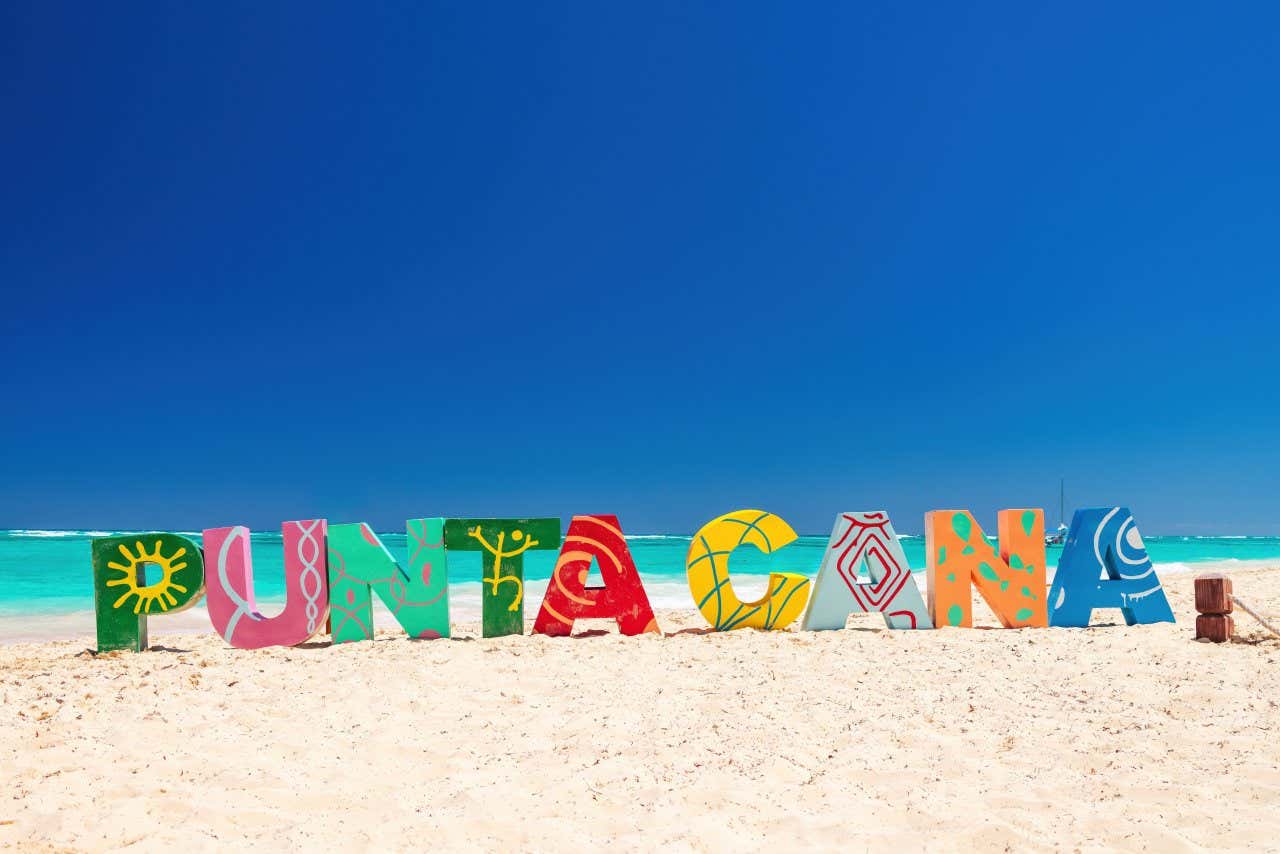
{"type": "Point", "coordinates": [1213, 601]}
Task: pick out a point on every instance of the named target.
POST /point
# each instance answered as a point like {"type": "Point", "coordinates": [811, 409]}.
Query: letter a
{"type": "Point", "coordinates": [622, 596]}
{"type": "Point", "coordinates": [857, 540]}
{"type": "Point", "coordinates": [1105, 565]}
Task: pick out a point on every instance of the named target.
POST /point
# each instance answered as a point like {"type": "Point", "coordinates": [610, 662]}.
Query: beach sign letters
{"type": "Point", "coordinates": [332, 573]}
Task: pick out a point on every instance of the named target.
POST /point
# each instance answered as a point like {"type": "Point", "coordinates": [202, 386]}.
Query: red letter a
{"type": "Point", "coordinates": [568, 597]}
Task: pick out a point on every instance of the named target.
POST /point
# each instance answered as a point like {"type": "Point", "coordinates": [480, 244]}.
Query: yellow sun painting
{"type": "Point", "coordinates": [151, 596]}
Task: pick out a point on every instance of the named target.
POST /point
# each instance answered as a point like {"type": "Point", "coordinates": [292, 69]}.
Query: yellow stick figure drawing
{"type": "Point", "coordinates": [498, 554]}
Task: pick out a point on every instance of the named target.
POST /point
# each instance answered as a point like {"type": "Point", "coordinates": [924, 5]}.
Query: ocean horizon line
{"type": "Point", "coordinates": [105, 532]}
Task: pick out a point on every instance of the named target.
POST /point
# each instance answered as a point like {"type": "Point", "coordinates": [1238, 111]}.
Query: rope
{"type": "Point", "coordinates": [1256, 616]}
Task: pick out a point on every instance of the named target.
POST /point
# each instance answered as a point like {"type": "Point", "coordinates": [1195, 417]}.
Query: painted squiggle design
{"type": "Point", "coordinates": [310, 580]}
{"type": "Point", "coordinates": [232, 606]}
{"type": "Point", "coordinates": [239, 534]}
{"type": "Point", "coordinates": [498, 579]}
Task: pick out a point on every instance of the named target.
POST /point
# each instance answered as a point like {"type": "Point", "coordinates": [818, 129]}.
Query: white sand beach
{"type": "Point", "coordinates": [1055, 739]}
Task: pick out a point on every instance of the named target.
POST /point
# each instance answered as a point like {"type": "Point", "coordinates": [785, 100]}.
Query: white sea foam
{"type": "Point", "coordinates": [78, 532]}
{"type": "Point", "coordinates": [1219, 565]}
{"type": "Point", "coordinates": [37, 533]}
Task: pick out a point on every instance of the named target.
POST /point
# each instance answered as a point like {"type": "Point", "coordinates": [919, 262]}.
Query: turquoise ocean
{"type": "Point", "coordinates": [46, 588]}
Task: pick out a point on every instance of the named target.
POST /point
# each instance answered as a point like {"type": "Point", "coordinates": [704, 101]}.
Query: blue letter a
{"type": "Point", "coordinates": [1105, 565]}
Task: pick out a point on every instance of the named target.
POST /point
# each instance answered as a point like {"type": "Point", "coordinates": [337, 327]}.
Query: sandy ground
{"type": "Point", "coordinates": [1110, 737]}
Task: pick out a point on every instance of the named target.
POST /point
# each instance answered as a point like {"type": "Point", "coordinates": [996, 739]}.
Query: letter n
{"type": "Point", "coordinates": [959, 556]}
{"type": "Point", "coordinates": [360, 565]}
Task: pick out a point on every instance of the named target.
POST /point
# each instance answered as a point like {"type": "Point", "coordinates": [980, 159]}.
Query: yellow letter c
{"type": "Point", "coordinates": [707, 565]}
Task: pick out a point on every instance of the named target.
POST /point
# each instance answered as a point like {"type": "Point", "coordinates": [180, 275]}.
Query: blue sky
{"type": "Point", "coordinates": [665, 260]}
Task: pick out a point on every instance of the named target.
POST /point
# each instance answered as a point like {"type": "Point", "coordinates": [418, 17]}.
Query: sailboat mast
{"type": "Point", "coordinates": [1062, 500]}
